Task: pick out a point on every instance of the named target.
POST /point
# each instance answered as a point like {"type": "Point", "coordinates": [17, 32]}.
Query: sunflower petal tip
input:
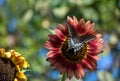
{"type": "Point", "coordinates": [88, 22]}
{"type": "Point", "coordinates": [69, 19]}
{"type": "Point", "coordinates": [74, 17]}
{"type": "Point", "coordinates": [92, 25]}
{"type": "Point", "coordinates": [82, 21]}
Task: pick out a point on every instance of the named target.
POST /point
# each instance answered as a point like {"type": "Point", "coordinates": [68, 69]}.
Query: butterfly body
{"type": "Point", "coordinates": [75, 46]}
{"type": "Point", "coordinates": [76, 42]}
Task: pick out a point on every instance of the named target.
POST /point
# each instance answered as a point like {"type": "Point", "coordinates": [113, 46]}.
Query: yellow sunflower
{"type": "Point", "coordinates": [11, 65]}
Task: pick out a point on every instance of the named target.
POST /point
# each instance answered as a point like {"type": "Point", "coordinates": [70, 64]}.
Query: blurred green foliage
{"type": "Point", "coordinates": [25, 24]}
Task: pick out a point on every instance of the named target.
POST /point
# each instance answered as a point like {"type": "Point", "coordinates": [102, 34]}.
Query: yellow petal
{"type": "Point", "coordinates": [18, 68]}
{"type": "Point", "coordinates": [2, 51]}
{"type": "Point", "coordinates": [14, 53]}
{"type": "Point", "coordinates": [15, 79]}
{"type": "Point", "coordinates": [19, 60]}
{"type": "Point", "coordinates": [21, 76]}
{"type": "Point", "coordinates": [17, 54]}
{"type": "Point", "coordinates": [24, 64]}
{"type": "Point", "coordinates": [15, 59]}
{"type": "Point", "coordinates": [7, 54]}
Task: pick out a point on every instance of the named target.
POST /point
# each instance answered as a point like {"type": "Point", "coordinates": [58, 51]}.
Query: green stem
{"type": "Point", "coordinates": [63, 77]}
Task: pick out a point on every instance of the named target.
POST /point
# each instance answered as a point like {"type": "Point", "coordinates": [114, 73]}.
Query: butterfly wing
{"type": "Point", "coordinates": [76, 42]}
{"type": "Point", "coordinates": [72, 31]}
{"type": "Point", "coordinates": [72, 34]}
{"type": "Point", "coordinates": [72, 39]}
{"type": "Point", "coordinates": [86, 38]}
{"type": "Point", "coordinates": [81, 41]}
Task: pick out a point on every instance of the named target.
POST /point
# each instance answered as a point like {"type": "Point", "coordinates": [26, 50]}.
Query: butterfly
{"type": "Point", "coordinates": [76, 42]}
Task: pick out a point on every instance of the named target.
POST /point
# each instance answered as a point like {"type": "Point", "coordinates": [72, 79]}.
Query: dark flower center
{"type": "Point", "coordinates": [7, 70]}
{"type": "Point", "coordinates": [69, 54]}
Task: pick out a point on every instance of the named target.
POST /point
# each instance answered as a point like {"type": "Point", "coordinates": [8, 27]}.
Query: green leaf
{"type": "Point", "coordinates": [51, 31]}
{"type": "Point", "coordinates": [64, 77]}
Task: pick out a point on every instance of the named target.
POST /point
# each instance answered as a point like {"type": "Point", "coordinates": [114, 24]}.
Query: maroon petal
{"type": "Point", "coordinates": [51, 47]}
{"type": "Point", "coordinates": [69, 69]}
{"type": "Point", "coordinates": [95, 57]}
{"type": "Point", "coordinates": [79, 73]}
{"type": "Point", "coordinates": [60, 34]}
{"type": "Point", "coordinates": [52, 53]}
{"type": "Point", "coordinates": [54, 44]}
{"type": "Point", "coordinates": [89, 63]}
{"type": "Point", "coordinates": [57, 61]}
{"type": "Point", "coordinates": [86, 28]}
{"type": "Point", "coordinates": [70, 21]}
{"type": "Point", "coordinates": [61, 64]}
{"type": "Point", "coordinates": [97, 40]}
{"type": "Point", "coordinates": [93, 61]}
{"type": "Point", "coordinates": [94, 47]}
{"type": "Point", "coordinates": [80, 26]}
{"type": "Point", "coordinates": [91, 27]}
{"type": "Point", "coordinates": [75, 21]}
{"type": "Point", "coordinates": [96, 52]}
{"type": "Point", "coordinates": [54, 59]}
{"type": "Point", "coordinates": [53, 38]}
{"type": "Point", "coordinates": [63, 29]}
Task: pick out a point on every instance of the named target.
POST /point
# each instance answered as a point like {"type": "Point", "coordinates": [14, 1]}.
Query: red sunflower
{"type": "Point", "coordinates": [74, 47]}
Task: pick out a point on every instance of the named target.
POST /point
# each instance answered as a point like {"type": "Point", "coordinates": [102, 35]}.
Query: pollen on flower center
{"type": "Point", "coordinates": [70, 56]}
{"type": "Point", "coordinates": [7, 70]}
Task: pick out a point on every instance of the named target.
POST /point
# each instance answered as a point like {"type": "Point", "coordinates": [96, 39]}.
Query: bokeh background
{"type": "Point", "coordinates": [25, 25]}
